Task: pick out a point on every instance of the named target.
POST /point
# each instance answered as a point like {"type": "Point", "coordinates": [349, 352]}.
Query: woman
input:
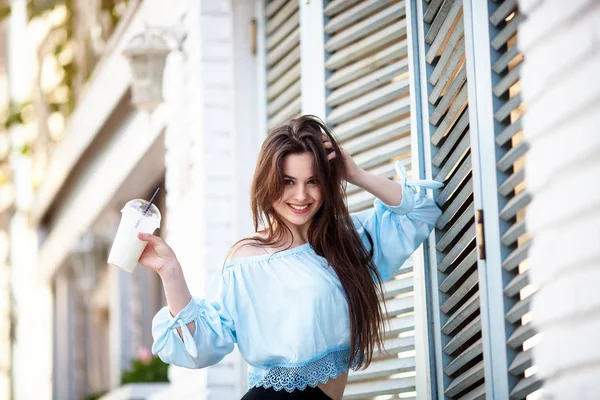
{"type": "Point", "coordinates": [301, 297]}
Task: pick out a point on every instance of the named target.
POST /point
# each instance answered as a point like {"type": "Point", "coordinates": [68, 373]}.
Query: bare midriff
{"type": "Point", "coordinates": [334, 388]}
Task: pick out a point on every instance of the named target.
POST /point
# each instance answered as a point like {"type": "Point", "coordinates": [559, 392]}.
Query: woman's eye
{"type": "Point", "coordinates": [312, 182]}
{"type": "Point", "coordinates": [288, 182]}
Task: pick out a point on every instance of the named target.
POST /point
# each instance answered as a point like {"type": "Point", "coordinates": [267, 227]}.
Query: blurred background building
{"type": "Point", "coordinates": [90, 121]}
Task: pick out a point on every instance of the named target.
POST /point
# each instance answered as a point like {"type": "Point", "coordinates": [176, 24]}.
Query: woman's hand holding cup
{"type": "Point", "coordinates": [157, 255]}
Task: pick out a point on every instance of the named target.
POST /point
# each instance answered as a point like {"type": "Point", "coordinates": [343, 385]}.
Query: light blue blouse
{"type": "Point", "coordinates": [287, 311]}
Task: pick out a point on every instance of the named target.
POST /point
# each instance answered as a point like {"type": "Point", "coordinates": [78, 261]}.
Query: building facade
{"type": "Point", "coordinates": [443, 86]}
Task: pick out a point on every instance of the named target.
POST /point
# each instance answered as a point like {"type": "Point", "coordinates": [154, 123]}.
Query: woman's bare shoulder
{"type": "Point", "coordinates": [246, 248]}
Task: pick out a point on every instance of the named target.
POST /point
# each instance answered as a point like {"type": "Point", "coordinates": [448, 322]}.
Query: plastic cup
{"type": "Point", "coordinates": [127, 248]}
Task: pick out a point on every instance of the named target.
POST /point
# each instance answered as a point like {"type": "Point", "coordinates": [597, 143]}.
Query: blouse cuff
{"type": "Point", "coordinates": [188, 314]}
{"type": "Point", "coordinates": [410, 191]}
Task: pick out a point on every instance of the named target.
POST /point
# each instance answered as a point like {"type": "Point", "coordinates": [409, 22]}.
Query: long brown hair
{"type": "Point", "coordinates": [331, 233]}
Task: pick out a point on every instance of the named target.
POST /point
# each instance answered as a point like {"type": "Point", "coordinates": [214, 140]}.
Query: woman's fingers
{"type": "Point", "coordinates": [331, 156]}
{"type": "Point", "coordinates": [147, 237]}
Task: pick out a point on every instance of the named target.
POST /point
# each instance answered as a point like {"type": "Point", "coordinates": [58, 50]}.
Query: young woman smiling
{"type": "Point", "coordinates": [301, 298]}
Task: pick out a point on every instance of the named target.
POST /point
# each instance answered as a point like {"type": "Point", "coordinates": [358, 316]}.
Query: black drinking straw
{"type": "Point", "coordinates": [151, 200]}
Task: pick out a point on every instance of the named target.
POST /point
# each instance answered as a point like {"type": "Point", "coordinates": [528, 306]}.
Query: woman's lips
{"type": "Point", "coordinates": [296, 211]}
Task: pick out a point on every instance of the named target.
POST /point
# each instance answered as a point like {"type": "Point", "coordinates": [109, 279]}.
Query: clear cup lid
{"type": "Point", "coordinates": [140, 205]}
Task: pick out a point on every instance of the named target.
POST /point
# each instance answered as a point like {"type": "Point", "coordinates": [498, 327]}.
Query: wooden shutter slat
{"type": "Point", "coordinates": [367, 83]}
{"type": "Point", "coordinates": [365, 27]}
{"type": "Point", "coordinates": [451, 55]}
{"type": "Point", "coordinates": [459, 294]}
{"type": "Point", "coordinates": [281, 16]}
{"type": "Point", "coordinates": [372, 100]}
{"type": "Point", "coordinates": [512, 156]}
{"type": "Point", "coordinates": [283, 32]}
{"type": "Point", "coordinates": [507, 81]}
{"type": "Point", "coordinates": [466, 333]}
{"type": "Point", "coordinates": [350, 16]}
{"type": "Point", "coordinates": [518, 310]}
{"type": "Point", "coordinates": [396, 287]}
{"type": "Point", "coordinates": [384, 153]}
{"type": "Point", "coordinates": [362, 390]}
{"type": "Point", "coordinates": [396, 326]}
{"type": "Point", "coordinates": [396, 345]}
{"type": "Point", "coordinates": [520, 335]}
{"type": "Point", "coordinates": [466, 379]}
{"type": "Point", "coordinates": [438, 20]}
{"type": "Point", "coordinates": [452, 18]}
{"type": "Point", "coordinates": [504, 60]}
{"type": "Point", "coordinates": [432, 11]}
{"type": "Point", "coordinates": [525, 387]}
{"type": "Point", "coordinates": [378, 136]}
{"type": "Point", "coordinates": [288, 62]}
{"type": "Point", "coordinates": [465, 312]}
{"type": "Point", "coordinates": [503, 12]}
{"type": "Point", "coordinates": [291, 93]}
{"type": "Point", "coordinates": [459, 272]}
{"type": "Point", "coordinates": [504, 112]}
{"type": "Point", "coordinates": [516, 257]}
{"type": "Point", "coordinates": [382, 368]}
{"type": "Point", "coordinates": [474, 350]}
{"type": "Point", "coordinates": [511, 183]}
{"type": "Point", "coordinates": [443, 106]}
{"type": "Point", "coordinates": [457, 107]}
{"type": "Point", "coordinates": [456, 63]}
{"type": "Point", "coordinates": [285, 114]}
{"type": "Point", "coordinates": [400, 306]}
{"type": "Point", "coordinates": [358, 69]}
{"type": "Point", "coordinates": [337, 6]}
{"type": "Point", "coordinates": [456, 155]}
{"type": "Point", "coordinates": [367, 45]}
{"type": "Point", "coordinates": [273, 6]}
{"type": "Point", "coordinates": [514, 205]}
{"type": "Point", "coordinates": [458, 177]}
{"type": "Point", "coordinates": [507, 32]}
{"type": "Point", "coordinates": [517, 283]}
{"type": "Point", "coordinates": [283, 48]}
{"type": "Point", "coordinates": [456, 203]}
{"type": "Point", "coordinates": [463, 243]}
{"type": "Point", "coordinates": [509, 132]}
{"type": "Point", "coordinates": [284, 82]}
{"type": "Point", "coordinates": [455, 134]}
{"type": "Point", "coordinates": [476, 394]}
{"type": "Point", "coordinates": [450, 236]}
{"type": "Point", "coordinates": [522, 361]}
{"type": "Point", "coordinates": [513, 233]}
{"type": "Point", "coordinates": [373, 119]}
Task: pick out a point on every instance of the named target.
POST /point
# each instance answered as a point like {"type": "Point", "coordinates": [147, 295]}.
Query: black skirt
{"type": "Point", "coordinates": [260, 393]}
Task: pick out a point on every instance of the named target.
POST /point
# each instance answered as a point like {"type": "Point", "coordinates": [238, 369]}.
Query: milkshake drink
{"type": "Point", "coordinates": [127, 248]}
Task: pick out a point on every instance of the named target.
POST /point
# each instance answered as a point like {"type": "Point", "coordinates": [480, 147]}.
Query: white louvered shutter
{"type": "Point", "coordinates": [457, 278]}
{"type": "Point", "coordinates": [282, 58]}
{"type": "Point", "coordinates": [369, 105]}
{"type": "Point", "coordinates": [505, 18]}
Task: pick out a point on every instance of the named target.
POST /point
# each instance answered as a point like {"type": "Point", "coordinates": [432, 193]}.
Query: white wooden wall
{"type": "Point", "coordinates": [560, 84]}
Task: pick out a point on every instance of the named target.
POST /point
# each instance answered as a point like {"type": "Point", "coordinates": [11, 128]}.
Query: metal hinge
{"type": "Point", "coordinates": [253, 28]}
{"type": "Point", "coordinates": [480, 239]}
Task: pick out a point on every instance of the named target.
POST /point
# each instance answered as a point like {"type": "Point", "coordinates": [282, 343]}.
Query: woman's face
{"type": "Point", "coordinates": [301, 197]}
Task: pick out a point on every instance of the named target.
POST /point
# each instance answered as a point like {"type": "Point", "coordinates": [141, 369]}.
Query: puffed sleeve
{"type": "Point", "coordinates": [397, 231]}
{"type": "Point", "coordinates": [214, 336]}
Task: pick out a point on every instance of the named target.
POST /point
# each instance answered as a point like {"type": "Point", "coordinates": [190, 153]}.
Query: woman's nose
{"type": "Point", "coordinates": [300, 193]}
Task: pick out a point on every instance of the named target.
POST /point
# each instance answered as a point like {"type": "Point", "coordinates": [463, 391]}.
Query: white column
{"type": "Point", "coordinates": [561, 89]}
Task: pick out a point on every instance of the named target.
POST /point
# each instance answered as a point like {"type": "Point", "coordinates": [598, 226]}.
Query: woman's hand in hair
{"type": "Point", "coordinates": [352, 170]}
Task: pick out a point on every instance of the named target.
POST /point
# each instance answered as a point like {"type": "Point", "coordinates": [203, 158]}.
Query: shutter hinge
{"type": "Point", "coordinates": [480, 239]}
{"type": "Point", "coordinates": [253, 36]}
